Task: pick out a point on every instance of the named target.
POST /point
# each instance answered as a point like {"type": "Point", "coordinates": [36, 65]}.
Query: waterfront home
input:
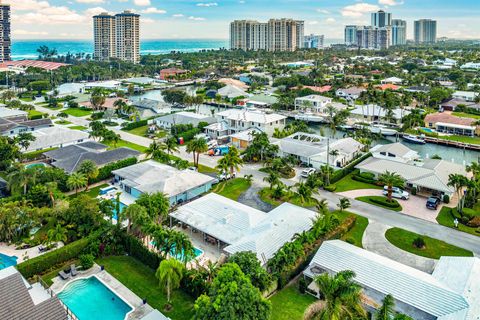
{"type": "Point", "coordinates": [22, 300]}
{"type": "Point", "coordinates": [445, 122]}
{"type": "Point", "coordinates": [469, 96]}
{"type": "Point", "coordinates": [233, 227]}
{"type": "Point", "coordinates": [314, 102]}
{"type": "Point", "coordinates": [451, 104]}
{"type": "Point", "coordinates": [237, 120]}
{"type": "Point", "coordinates": [71, 157]}
{"type": "Point", "coordinates": [471, 66]}
{"type": "Point", "coordinates": [170, 73]}
{"type": "Point", "coordinates": [13, 122]}
{"type": "Point", "coordinates": [261, 101]}
{"type": "Point", "coordinates": [351, 94]}
{"type": "Point", "coordinates": [234, 82]}
{"type": "Point", "coordinates": [149, 108]}
{"type": "Point", "coordinates": [428, 176]}
{"type": "Point", "coordinates": [242, 139]}
{"type": "Point", "coordinates": [231, 92]}
{"type": "Point", "coordinates": [375, 113]}
{"type": "Point", "coordinates": [394, 152]}
{"type": "Point", "coordinates": [56, 137]}
{"type": "Point", "coordinates": [392, 80]}
{"type": "Point", "coordinates": [184, 117]}
{"type": "Point", "coordinates": [109, 85]}
{"type": "Point", "coordinates": [315, 151]}
{"type": "Point", "coordinates": [450, 292]}
{"type": "Point", "coordinates": [152, 177]}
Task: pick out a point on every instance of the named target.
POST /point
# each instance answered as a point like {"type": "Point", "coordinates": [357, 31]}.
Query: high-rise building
{"type": "Point", "coordinates": [425, 31]}
{"type": "Point", "coordinates": [275, 35]}
{"type": "Point", "coordinates": [381, 19]}
{"type": "Point", "coordinates": [373, 38]}
{"type": "Point", "coordinates": [351, 35]}
{"type": "Point", "coordinates": [399, 32]}
{"type": "Point", "coordinates": [105, 45]}
{"type": "Point", "coordinates": [5, 40]}
{"type": "Point", "coordinates": [127, 26]}
{"type": "Point", "coordinates": [313, 41]}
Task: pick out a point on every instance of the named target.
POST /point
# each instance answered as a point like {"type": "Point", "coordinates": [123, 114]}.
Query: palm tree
{"type": "Point", "coordinates": [171, 145]}
{"type": "Point", "coordinates": [52, 188]}
{"type": "Point", "coordinates": [136, 214]}
{"type": "Point", "coordinates": [57, 234]}
{"type": "Point", "coordinates": [231, 160]}
{"type": "Point", "coordinates": [341, 298]}
{"type": "Point", "coordinates": [322, 206]}
{"type": "Point", "coordinates": [304, 192]}
{"type": "Point", "coordinates": [169, 275]}
{"type": "Point", "coordinates": [89, 169]}
{"type": "Point", "coordinates": [196, 147]}
{"type": "Point", "coordinates": [343, 203]}
{"type": "Point", "coordinates": [154, 149]}
{"type": "Point", "coordinates": [386, 312]}
{"type": "Point", "coordinates": [76, 180]}
{"type": "Point", "coordinates": [458, 182]}
{"type": "Point", "coordinates": [20, 178]}
{"type": "Point", "coordinates": [391, 179]}
{"type": "Point", "coordinates": [273, 179]}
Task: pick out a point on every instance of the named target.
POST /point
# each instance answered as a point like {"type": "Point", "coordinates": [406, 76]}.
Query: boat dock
{"type": "Point", "coordinates": [455, 144]}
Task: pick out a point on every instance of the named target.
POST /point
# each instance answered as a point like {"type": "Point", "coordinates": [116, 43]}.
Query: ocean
{"type": "Point", "coordinates": [27, 49]}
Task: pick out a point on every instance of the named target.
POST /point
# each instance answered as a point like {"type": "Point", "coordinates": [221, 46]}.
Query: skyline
{"type": "Point", "coordinates": [194, 19]}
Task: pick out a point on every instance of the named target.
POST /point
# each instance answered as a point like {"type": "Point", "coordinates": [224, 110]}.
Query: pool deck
{"type": "Point", "coordinates": [140, 310]}
{"type": "Point", "coordinates": [24, 254]}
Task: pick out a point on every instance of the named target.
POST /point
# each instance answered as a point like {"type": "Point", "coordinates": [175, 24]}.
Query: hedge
{"type": "Point", "coordinates": [384, 202]}
{"type": "Point", "coordinates": [50, 260]}
{"type": "Point", "coordinates": [340, 174]}
{"type": "Point", "coordinates": [135, 248]}
{"type": "Point", "coordinates": [134, 125]}
{"type": "Point", "coordinates": [363, 179]}
{"type": "Point", "coordinates": [106, 171]}
{"type": "Point", "coordinates": [34, 155]}
{"type": "Point", "coordinates": [331, 188]}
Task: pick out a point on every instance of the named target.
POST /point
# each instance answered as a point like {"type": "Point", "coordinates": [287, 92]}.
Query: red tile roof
{"type": "Point", "coordinates": [446, 117]}
{"type": "Point", "coordinates": [388, 86]}
{"type": "Point", "coordinates": [46, 65]}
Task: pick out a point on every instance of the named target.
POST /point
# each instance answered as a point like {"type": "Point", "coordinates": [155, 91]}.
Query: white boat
{"type": "Point", "coordinates": [384, 130]}
{"type": "Point", "coordinates": [414, 139]}
{"type": "Point", "coordinates": [309, 117]}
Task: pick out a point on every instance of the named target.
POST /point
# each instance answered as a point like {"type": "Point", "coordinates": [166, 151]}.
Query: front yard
{"type": "Point", "coordinates": [355, 235]}
{"type": "Point", "coordinates": [266, 195]}
{"type": "Point", "coordinates": [290, 304]}
{"type": "Point", "coordinates": [445, 218]}
{"type": "Point", "coordinates": [232, 189]}
{"type": "Point", "coordinates": [141, 280]}
{"type": "Point", "coordinates": [123, 143]}
{"type": "Point", "coordinates": [78, 112]}
{"type": "Point", "coordinates": [348, 184]}
{"type": "Point", "coordinates": [381, 202]}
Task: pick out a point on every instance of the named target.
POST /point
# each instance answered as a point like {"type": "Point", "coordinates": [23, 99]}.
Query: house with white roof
{"type": "Point", "coordinates": [231, 92]}
{"type": "Point", "coordinates": [375, 113]}
{"type": "Point", "coordinates": [152, 177]}
{"type": "Point", "coordinates": [394, 152]}
{"type": "Point", "coordinates": [451, 292]}
{"type": "Point", "coordinates": [56, 137]}
{"type": "Point", "coordinates": [351, 94]}
{"type": "Point", "coordinates": [315, 151]}
{"type": "Point", "coordinates": [183, 117]}
{"type": "Point", "coordinates": [468, 96]}
{"type": "Point", "coordinates": [314, 102]}
{"type": "Point", "coordinates": [237, 120]}
{"type": "Point", "coordinates": [392, 80]}
{"type": "Point", "coordinates": [13, 122]}
{"type": "Point", "coordinates": [471, 66]}
{"type": "Point", "coordinates": [235, 227]}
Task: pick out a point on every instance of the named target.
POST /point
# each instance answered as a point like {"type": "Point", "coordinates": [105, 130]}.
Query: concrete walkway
{"type": "Point", "coordinates": [374, 240]}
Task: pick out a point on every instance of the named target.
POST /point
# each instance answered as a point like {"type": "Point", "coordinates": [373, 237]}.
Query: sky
{"type": "Point", "coordinates": [198, 19]}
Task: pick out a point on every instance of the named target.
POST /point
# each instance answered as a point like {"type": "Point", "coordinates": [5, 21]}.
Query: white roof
{"type": "Point", "coordinates": [392, 80]}
{"type": "Point", "coordinates": [468, 94]}
{"type": "Point", "coordinates": [8, 113]}
{"type": "Point", "coordinates": [406, 284]}
{"type": "Point", "coordinates": [244, 228]}
{"type": "Point", "coordinates": [246, 115]}
{"type": "Point", "coordinates": [246, 135]}
{"type": "Point", "coordinates": [453, 125]}
{"type": "Point", "coordinates": [231, 91]}
{"type": "Point", "coordinates": [397, 148]}
{"type": "Point", "coordinates": [315, 97]}
{"type": "Point", "coordinates": [151, 176]}
{"type": "Point", "coordinates": [375, 110]}
{"type": "Point", "coordinates": [110, 84]}
{"type": "Point", "coordinates": [56, 136]}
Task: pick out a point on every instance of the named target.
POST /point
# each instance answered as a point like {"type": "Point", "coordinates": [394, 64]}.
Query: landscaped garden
{"type": "Point", "coordinates": [422, 245]}
{"type": "Point", "coordinates": [267, 195]}
{"type": "Point", "coordinates": [355, 235]}
{"type": "Point", "coordinates": [382, 202]}
{"type": "Point", "coordinates": [446, 217]}
{"type": "Point", "coordinates": [352, 182]}
{"type": "Point", "coordinates": [78, 112]}
{"type": "Point", "coordinates": [232, 189]}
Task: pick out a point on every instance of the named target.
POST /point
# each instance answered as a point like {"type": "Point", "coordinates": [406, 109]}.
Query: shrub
{"type": "Point", "coordinates": [134, 125]}
{"type": "Point", "coordinates": [419, 243]}
{"type": "Point", "coordinates": [446, 199]}
{"type": "Point", "coordinates": [470, 213]}
{"type": "Point", "coordinates": [363, 179]}
{"type": "Point", "coordinates": [474, 223]}
{"type": "Point", "coordinates": [136, 249]}
{"type": "Point", "coordinates": [339, 174]}
{"type": "Point", "coordinates": [414, 192]}
{"type": "Point", "coordinates": [106, 171]}
{"type": "Point", "coordinates": [110, 123]}
{"type": "Point", "coordinates": [302, 285]}
{"type": "Point", "coordinates": [331, 188]}
{"type": "Point", "coordinates": [384, 202]}
{"type": "Point", "coordinates": [367, 175]}
{"type": "Point", "coordinates": [97, 115]}
{"type": "Point", "coordinates": [350, 240]}
{"type": "Point", "coordinates": [86, 261]}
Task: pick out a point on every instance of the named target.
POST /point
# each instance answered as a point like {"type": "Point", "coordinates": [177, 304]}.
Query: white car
{"type": "Point", "coordinates": [226, 176]}
{"type": "Point", "coordinates": [307, 172]}
{"type": "Point", "coordinates": [397, 193]}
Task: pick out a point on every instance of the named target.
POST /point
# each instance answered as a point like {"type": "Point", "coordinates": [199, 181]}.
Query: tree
{"type": "Point", "coordinates": [171, 145]}
{"type": "Point", "coordinates": [341, 298]}
{"type": "Point", "coordinates": [304, 192]}
{"type": "Point", "coordinates": [8, 95]}
{"type": "Point", "coordinates": [196, 147]}
{"type": "Point", "coordinates": [156, 204]}
{"type": "Point", "coordinates": [169, 275]}
{"type": "Point", "coordinates": [232, 296]}
{"type": "Point", "coordinates": [137, 216]}
{"type": "Point", "coordinates": [458, 182]}
{"type": "Point", "coordinates": [8, 152]}
{"type": "Point", "coordinates": [76, 181]}
{"type": "Point", "coordinates": [273, 179]}
{"type": "Point", "coordinates": [231, 160]}
{"type": "Point", "coordinates": [154, 149]}
{"type": "Point", "coordinates": [387, 312]}
{"type": "Point", "coordinates": [89, 169]}
{"type": "Point", "coordinates": [24, 139]}
{"type": "Point", "coordinates": [57, 234]}
{"type": "Point", "coordinates": [250, 266]}
{"type": "Point", "coordinates": [38, 86]}
{"type": "Point", "coordinates": [343, 204]}
{"type": "Point", "coordinates": [19, 179]}
{"type": "Point", "coordinates": [390, 179]}
{"type": "Point", "coordinates": [97, 100]}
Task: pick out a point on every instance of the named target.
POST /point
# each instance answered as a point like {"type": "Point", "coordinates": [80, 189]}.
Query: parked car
{"type": "Point", "coordinates": [192, 169]}
{"type": "Point", "coordinates": [307, 172]}
{"type": "Point", "coordinates": [397, 193]}
{"type": "Point", "coordinates": [226, 176]}
{"type": "Point", "coordinates": [433, 203]}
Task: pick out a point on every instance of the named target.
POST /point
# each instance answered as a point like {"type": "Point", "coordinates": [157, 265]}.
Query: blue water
{"type": "Point", "coordinates": [35, 165]}
{"type": "Point", "coordinates": [89, 299]}
{"type": "Point", "coordinates": [180, 256]}
{"type": "Point", "coordinates": [7, 261]}
{"type": "Point", "coordinates": [122, 207]}
{"type": "Point", "coordinates": [27, 49]}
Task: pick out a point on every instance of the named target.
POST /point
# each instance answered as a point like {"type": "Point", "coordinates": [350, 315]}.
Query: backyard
{"type": "Point", "coordinates": [123, 143]}
{"type": "Point", "coordinates": [92, 192]}
{"type": "Point", "coordinates": [290, 304]}
{"type": "Point", "coordinates": [141, 280]}
{"type": "Point", "coordinates": [433, 249]}
{"type": "Point", "coordinates": [232, 189]}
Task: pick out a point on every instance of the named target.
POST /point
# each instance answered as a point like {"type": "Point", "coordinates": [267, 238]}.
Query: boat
{"type": "Point", "coordinates": [309, 117]}
{"type": "Point", "coordinates": [414, 139]}
{"type": "Point", "coordinates": [384, 130]}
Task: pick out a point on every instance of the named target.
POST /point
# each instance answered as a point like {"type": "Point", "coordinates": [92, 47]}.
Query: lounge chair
{"type": "Point", "coordinates": [73, 270]}
{"type": "Point", "coordinates": [64, 275]}
{"type": "Point", "coordinates": [41, 249]}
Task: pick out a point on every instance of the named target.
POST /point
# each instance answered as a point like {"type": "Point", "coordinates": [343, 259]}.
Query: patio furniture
{"type": "Point", "coordinates": [63, 275]}
{"type": "Point", "coordinates": [41, 249]}
{"type": "Point", "coordinates": [73, 270]}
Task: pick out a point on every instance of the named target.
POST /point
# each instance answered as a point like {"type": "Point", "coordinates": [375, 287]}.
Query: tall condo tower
{"type": "Point", "coordinates": [399, 32]}
{"type": "Point", "coordinates": [104, 37]}
{"type": "Point", "coordinates": [5, 40]}
{"type": "Point", "coordinates": [425, 31]}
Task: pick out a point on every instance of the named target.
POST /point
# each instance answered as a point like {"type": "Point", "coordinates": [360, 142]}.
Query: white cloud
{"type": "Point", "coordinates": [390, 2]}
{"type": "Point", "coordinates": [178, 15]}
{"type": "Point", "coordinates": [323, 11]}
{"type": "Point", "coordinates": [196, 18]}
{"type": "Point", "coordinates": [142, 3]}
{"type": "Point", "coordinates": [89, 13]}
{"type": "Point", "coordinates": [153, 10]}
{"type": "Point", "coordinates": [330, 21]}
{"type": "Point", "coordinates": [209, 4]}
{"type": "Point", "coordinates": [312, 23]}
{"type": "Point", "coordinates": [90, 1]}
{"type": "Point", "coordinates": [359, 9]}
{"type": "Point", "coordinates": [22, 5]}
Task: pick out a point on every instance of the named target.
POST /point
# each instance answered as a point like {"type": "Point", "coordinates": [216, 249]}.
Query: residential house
{"type": "Point", "coordinates": [22, 300]}
{"type": "Point", "coordinates": [450, 292]}
{"type": "Point", "coordinates": [392, 80]}
{"type": "Point", "coordinates": [417, 89]}
{"type": "Point", "coordinates": [236, 227]}
{"type": "Point", "coordinates": [150, 177]}
{"type": "Point", "coordinates": [471, 66]}
{"type": "Point", "coordinates": [56, 137]}
{"type": "Point", "coordinates": [469, 96]}
{"type": "Point", "coordinates": [232, 92]}
{"type": "Point", "coordinates": [71, 157]}
{"type": "Point", "coordinates": [13, 122]}
{"type": "Point", "coordinates": [350, 94]}
{"type": "Point", "coordinates": [261, 101]}
{"type": "Point", "coordinates": [183, 117]}
{"type": "Point", "coordinates": [445, 122]}
{"type": "Point", "coordinates": [234, 82]}
{"type": "Point", "coordinates": [451, 104]}
{"type": "Point", "coordinates": [315, 151]}
{"type": "Point", "coordinates": [170, 73]}
{"type": "Point", "coordinates": [374, 113]}
{"type": "Point", "coordinates": [314, 102]}
{"type": "Point", "coordinates": [394, 152]}
{"type": "Point", "coordinates": [109, 85]}
{"type": "Point", "coordinates": [242, 139]}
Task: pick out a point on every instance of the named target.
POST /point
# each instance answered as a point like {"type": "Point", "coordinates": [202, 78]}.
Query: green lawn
{"type": "Point", "coordinates": [205, 169]}
{"type": "Point", "coordinates": [123, 143]}
{"type": "Point", "coordinates": [290, 304]}
{"type": "Point", "coordinates": [27, 99]}
{"type": "Point", "coordinates": [141, 280]}
{"type": "Point", "coordinates": [369, 201]}
{"type": "Point", "coordinates": [355, 235]}
{"type": "Point", "coordinates": [92, 192]}
{"type": "Point", "coordinates": [466, 115]}
{"type": "Point", "coordinates": [348, 184]}
{"type": "Point", "coordinates": [81, 128]}
{"type": "Point", "coordinates": [49, 276]}
{"type": "Point", "coordinates": [445, 218]}
{"type": "Point", "coordinates": [266, 196]}
{"type": "Point", "coordinates": [77, 112]}
{"type": "Point", "coordinates": [64, 122]}
{"type": "Point", "coordinates": [434, 248]}
{"type": "Point", "coordinates": [33, 113]}
{"type": "Point", "coordinates": [463, 139]}
{"type": "Point", "coordinates": [232, 189]}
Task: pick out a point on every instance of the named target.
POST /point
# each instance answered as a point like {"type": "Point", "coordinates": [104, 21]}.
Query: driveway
{"type": "Point", "coordinates": [415, 206]}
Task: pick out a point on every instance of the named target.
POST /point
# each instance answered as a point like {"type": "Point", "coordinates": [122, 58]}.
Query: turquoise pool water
{"type": "Point", "coordinates": [427, 130]}
{"type": "Point", "coordinates": [89, 299]}
{"type": "Point", "coordinates": [35, 165]}
{"type": "Point", "coordinates": [7, 261]}
{"type": "Point", "coordinates": [179, 256]}
{"type": "Point", "coordinates": [115, 213]}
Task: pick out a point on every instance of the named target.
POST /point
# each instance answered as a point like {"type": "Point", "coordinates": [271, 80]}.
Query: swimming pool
{"type": "Point", "coordinates": [428, 130]}
{"type": "Point", "coordinates": [122, 206]}
{"type": "Point", "coordinates": [35, 165]}
{"type": "Point", "coordinates": [90, 299]}
{"type": "Point", "coordinates": [179, 256]}
{"type": "Point", "coordinates": [7, 261]}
